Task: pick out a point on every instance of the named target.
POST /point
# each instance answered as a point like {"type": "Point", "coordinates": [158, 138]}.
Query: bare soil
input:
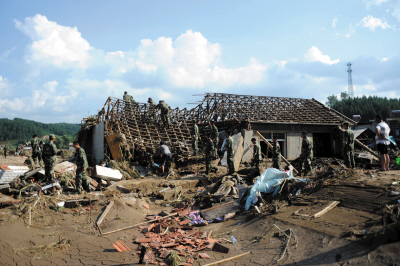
{"type": "Point", "coordinates": [320, 241]}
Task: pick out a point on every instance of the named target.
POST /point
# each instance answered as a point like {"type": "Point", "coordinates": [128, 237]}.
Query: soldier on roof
{"type": "Point", "coordinates": [164, 113]}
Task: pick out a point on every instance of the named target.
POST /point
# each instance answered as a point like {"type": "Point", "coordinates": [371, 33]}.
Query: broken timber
{"type": "Point", "coordinates": [269, 145]}
{"type": "Point", "coordinates": [104, 214]}
{"type": "Point", "coordinates": [228, 259]}
{"type": "Point", "coordinates": [128, 227]}
{"type": "Point", "coordinates": [326, 209]}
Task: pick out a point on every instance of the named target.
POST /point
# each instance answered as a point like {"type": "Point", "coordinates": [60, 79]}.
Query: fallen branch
{"type": "Point", "coordinates": [228, 259]}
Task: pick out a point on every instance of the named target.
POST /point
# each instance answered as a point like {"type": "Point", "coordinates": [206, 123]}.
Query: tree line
{"type": "Point", "coordinates": [367, 107]}
{"type": "Point", "coordinates": [18, 131]}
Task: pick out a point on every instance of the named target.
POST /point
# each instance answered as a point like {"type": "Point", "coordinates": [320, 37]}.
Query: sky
{"type": "Point", "coordinates": [61, 60]}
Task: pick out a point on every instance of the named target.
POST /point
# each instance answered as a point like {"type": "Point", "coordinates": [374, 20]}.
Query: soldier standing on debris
{"type": "Point", "coordinates": [164, 113]}
{"type": "Point", "coordinates": [382, 141]}
{"type": "Point", "coordinates": [229, 152]}
{"type": "Point", "coordinates": [152, 107]}
{"type": "Point", "coordinates": [256, 153]}
{"type": "Point", "coordinates": [35, 143]}
{"type": "Point", "coordinates": [209, 155]}
{"type": "Point", "coordinates": [214, 138]}
{"type": "Point", "coordinates": [306, 154]}
{"type": "Point", "coordinates": [129, 102]}
{"type": "Point", "coordinates": [49, 158]}
{"type": "Point", "coordinates": [81, 178]}
{"type": "Point", "coordinates": [195, 137]}
{"type": "Point", "coordinates": [276, 153]}
{"type": "Point", "coordinates": [348, 146]}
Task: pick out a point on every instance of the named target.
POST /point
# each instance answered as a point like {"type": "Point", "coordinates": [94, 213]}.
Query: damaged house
{"type": "Point", "coordinates": [141, 127]}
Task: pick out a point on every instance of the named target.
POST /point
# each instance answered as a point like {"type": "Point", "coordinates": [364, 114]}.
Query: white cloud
{"type": "Point", "coordinates": [384, 59]}
{"type": "Point", "coordinates": [46, 98]}
{"type": "Point", "coordinates": [372, 23]}
{"type": "Point", "coordinates": [315, 55]}
{"type": "Point", "coordinates": [54, 44]}
{"type": "Point", "coordinates": [334, 22]}
{"type": "Point", "coordinates": [4, 85]}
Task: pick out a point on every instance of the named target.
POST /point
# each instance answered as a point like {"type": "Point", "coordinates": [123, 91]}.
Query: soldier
{"type": "Point", "coordinates": [81, 167]}
{"type": "Point", "coordinates": [35, 143]}
{"type": "Point", "coordinates": [152, 107]}
{"type": "Point", "coordinates": [164, 113]}
{"type": "Point", "coordinates": [276, 153]}
{"type": "Point", "coordinates": [256, 153]}
{"type": "Point", "coordinates": [195, 137]}
{"type": "Point", "coordinates": [229, 152]}
{"type": "Point", "coordinates": [166, 157]}
{"type": "Point", "coordinates": [214, 137]}
{"type": "Point", "coordinates": [129, 102]}
{"type": "Point", "coordinates": [209, 155]}
{"type": "Point", "coordinates": [5, 151]}
{"type": "Point", "coordinates": [306, 154]}
{"type": "Point", "coordinates": [49, 158]}
{"type": "Point", "coordinates": [348, 146]}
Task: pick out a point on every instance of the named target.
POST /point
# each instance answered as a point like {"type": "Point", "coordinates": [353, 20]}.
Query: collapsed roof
{"type": "Point", "coordinates": [141, 123]}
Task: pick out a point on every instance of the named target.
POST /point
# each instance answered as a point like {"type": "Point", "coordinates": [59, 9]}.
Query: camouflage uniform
{"type": "Point", "coordinates": [276, 155]}
{"type": "Point", "coordinates": [348, 140]}
{"type": "Point", "coordinates": [49, 158]}
{"type": "Point", "coordinates": [164, 113]}
{"type": "Point", "coordinates": [81, 167]}
{"type": "Point", "coordinates": [215, 139]}
{"type": "Point", "coordinates": [209, 156]}
{"type": "Point", "coordinates": [130, 103]}
{"type": "Point", "coordinates": [36, 152]}
{"type": "Point", "coordinates": [229, 153]}
{"type": "Point", "coordinates": [195, 136]}
{"type": "Point", "coordinates": [256, 155]}
{"type": "Point", "coordinates": [307, 149]}
{"type": "Point", "coordinates": [152, 107]}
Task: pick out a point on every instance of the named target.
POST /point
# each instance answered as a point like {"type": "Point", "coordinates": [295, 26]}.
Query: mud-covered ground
{"type": "Point", "coordinates": [66, 237]}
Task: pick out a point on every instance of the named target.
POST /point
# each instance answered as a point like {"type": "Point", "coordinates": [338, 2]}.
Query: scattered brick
{"type": "Point", "coordinates": [204, 255]}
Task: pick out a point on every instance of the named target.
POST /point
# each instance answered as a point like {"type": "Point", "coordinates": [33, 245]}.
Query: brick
{"type": "Point", "coordinates": [204, 255]}
{"type": "Point", "coordinates": [158, 229]}
{"type": "Point", "coordinates": [168, 245]}
{"type": "Point", "coordinates": [184, 222]}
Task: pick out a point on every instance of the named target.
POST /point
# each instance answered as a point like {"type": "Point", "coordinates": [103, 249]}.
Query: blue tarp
{"type": "Point", "coordinates": [269, 181]}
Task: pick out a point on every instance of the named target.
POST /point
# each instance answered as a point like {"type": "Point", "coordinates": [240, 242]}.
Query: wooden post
{"type": "Point", "coordinates": [269, 145]}
{"type": "Point", "coordinates": [104, 214]}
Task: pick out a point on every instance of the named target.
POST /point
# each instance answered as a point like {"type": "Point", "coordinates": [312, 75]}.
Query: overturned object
{"type": "Point", "coordinates": [107, 173]}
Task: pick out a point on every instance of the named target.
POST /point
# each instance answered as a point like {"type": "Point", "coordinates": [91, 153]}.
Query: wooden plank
{"type": "Point", "coordinates": [104, 214]}
{"type": "Point", "coordinates": [226, 260]}
{"type": "Point", "coordinates": [115, 149]}
{"type": "Point", "coordinates": [326, 209]}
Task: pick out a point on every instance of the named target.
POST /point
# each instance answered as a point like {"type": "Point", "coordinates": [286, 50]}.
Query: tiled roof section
{"type": "Point", "coordinates": [269, 109]}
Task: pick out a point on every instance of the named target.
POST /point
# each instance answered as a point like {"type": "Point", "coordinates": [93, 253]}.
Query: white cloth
{"type": "Point", "coordinates": [384, 130]}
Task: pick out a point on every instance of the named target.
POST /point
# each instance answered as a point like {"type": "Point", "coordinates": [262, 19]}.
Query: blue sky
{"type": "Point", "coordinates": [61, 60]}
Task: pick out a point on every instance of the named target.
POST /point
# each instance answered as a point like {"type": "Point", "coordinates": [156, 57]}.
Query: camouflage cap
{"type": "Point", "coordinates": [52, 136]}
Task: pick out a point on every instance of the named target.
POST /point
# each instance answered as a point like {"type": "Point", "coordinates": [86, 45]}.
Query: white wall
{"type": "Point", "coordinates": [294, 141]}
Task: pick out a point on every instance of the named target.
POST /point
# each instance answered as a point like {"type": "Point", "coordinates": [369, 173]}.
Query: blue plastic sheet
{"type": "Point", "coordinates": [269, 181]}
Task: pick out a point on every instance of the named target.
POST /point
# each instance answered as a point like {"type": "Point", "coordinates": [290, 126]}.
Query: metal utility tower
{"type": "Point", "coordinates": [350, 85]}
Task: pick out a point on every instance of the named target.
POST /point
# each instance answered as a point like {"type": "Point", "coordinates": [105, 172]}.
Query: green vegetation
{"type": "Point", "coordinates": [367, 107]}
{"type": "Point", "coordinates": [18, 131]}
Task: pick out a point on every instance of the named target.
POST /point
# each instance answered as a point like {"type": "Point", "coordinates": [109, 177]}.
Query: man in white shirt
{"type": "Point", "coordinates": [382, 141]}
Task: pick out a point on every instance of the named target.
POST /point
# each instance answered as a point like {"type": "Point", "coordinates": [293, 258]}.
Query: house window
{"type": "Point", "coordinates": [281, 140]}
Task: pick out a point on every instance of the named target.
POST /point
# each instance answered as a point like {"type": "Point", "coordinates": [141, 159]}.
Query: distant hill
{"type": "Point", "coordinates": [22, 129]}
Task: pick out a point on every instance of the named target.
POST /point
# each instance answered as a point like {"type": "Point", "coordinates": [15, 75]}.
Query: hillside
{"type": "Point", "coordinates": [22, 129]}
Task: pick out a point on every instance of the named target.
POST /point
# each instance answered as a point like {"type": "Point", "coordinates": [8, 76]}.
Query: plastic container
{"type": "Point", "coordinates": [233, 239]}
